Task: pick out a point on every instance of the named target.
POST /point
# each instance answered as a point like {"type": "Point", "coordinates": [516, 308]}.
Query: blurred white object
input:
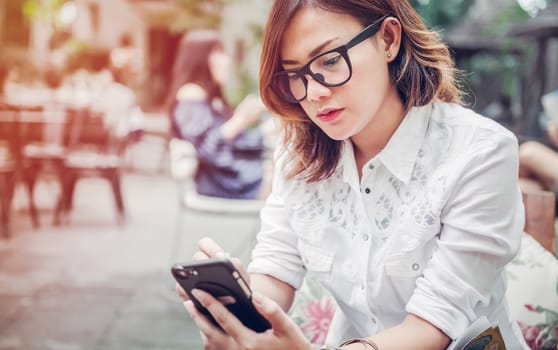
{"type": "Point", "coordinates": [550, 104]}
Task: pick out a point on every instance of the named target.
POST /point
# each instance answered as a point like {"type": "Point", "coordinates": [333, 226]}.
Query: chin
{"type": "Point", "coordinates": [337, 136]}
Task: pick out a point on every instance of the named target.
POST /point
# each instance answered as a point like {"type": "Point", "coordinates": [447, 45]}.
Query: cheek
{"type": "Point", "coordinates": [369, 84]}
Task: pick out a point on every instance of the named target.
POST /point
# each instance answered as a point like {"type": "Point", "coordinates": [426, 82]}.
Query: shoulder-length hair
{"type": "Point", "coordinates": [422, 71]}
{"type": "Point", "coordinates": [192, 62]}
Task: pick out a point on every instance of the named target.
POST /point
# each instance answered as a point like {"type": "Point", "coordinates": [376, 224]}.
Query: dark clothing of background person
{"type": "Point", "coordinates": [227, 169]}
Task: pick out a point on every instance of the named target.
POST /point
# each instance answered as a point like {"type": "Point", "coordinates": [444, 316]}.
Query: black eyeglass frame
{"type": "Point", "coordinates": [364, 34]}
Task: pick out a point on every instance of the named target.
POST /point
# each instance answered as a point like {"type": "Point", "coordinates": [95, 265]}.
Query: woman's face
{"type": "Point", "coordinates": [359, 105]}
{"type": "Point", "coordinates": [219, 65]}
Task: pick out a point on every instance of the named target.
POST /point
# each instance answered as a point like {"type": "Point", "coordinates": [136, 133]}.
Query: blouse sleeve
{"type": "Point", "coordinates": [481, 232]}
{"type": "Point", "coordinates": [276, 252]}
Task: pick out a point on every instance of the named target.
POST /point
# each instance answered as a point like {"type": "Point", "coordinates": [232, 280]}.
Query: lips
{"type": "Point", "coordinates": [329, 114]}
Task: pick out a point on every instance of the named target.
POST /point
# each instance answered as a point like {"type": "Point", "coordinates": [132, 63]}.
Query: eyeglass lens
{"type": "Point", "coordinates": [331, 68]}
{"type": "Point", "coordinates": [328, 69]}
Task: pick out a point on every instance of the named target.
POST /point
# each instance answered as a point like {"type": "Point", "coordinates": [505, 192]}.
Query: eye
{"type": "Point", "coordinates": [331, 59]}
{"type": "Point", "coordinates": [293, 76]}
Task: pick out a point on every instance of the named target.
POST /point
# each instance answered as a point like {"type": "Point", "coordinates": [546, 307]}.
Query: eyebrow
{"type": "Point", "coordinates": [312, 53]}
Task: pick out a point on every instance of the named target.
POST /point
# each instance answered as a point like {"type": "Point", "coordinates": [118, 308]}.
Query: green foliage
{"type": "Point", "coordinates": [491, 75]}
{"type": "Point", "coordinates": [441, 13]}
{"type": "Point", "coordinates": [43, 10]}
{"type": "Point", "coordinates": [197, 14]}
{"type": "Point", "coordinates": [500, 25]}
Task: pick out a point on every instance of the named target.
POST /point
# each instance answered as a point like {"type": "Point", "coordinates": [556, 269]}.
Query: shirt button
{"type": "Point", "coordinates": [371, 166]}
{"type": "Point", "coordinates": [362, 287]}
{"type": "Point", "coordinates": [415, 266]}
{"type": "Point", "coordinates": [374, 320]}
{"type": "Point", "coordinates": [367, 190]}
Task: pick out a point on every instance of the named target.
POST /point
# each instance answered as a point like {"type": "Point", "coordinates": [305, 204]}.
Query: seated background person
{"type": "Point", "coordinates": [228, 141]}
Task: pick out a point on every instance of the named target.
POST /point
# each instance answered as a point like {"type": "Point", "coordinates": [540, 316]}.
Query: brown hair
{"type": "Point", "coordinates": [192, 64]}
{"type": "Point", "coordinates": [422, 71]}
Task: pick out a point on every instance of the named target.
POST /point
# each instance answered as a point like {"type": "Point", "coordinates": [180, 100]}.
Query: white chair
{"type": "Point", "coordinates": [183, 165]}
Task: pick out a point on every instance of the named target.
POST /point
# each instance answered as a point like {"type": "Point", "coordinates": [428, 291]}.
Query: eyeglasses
{"type": "Point", "coordinates": [331, 68]}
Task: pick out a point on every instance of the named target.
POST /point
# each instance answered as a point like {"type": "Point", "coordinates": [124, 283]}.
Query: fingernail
{"type": "Point", "coordinates": [189, 307]}
{"type": "Point", "coordinates": [222, 255]}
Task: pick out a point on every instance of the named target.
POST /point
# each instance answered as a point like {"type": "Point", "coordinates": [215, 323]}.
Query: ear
{"type": "Point", "coordinates": [390, 34]}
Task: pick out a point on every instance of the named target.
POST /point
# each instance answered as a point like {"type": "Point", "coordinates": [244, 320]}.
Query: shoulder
{"type": "Point", "coordinates": [191, 93]}
{"type": "Point", "coordinates": [465, 141]}
{"type": "Point", "coordinates": [468, 124]}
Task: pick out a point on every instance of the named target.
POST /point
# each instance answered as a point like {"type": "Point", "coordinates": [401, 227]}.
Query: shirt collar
{"type": "Point", "coordinates": [348, 164]}
{"type": "Point", "coordinates": [400, 153]}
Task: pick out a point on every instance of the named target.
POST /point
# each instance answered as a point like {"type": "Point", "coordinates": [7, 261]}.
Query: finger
{"type": "Point", "coordinates": [237, 263]}
{"type": "Point", "coordinates": [230, 324]}
{"type": "Point", "coordinates": [269, 309]}
{"type": "Point", "coordinates": [210, 332]}
{"type": "Point", "coordinates": [200, 255]}
{"type": "Point", "coordinates": [210, 247]}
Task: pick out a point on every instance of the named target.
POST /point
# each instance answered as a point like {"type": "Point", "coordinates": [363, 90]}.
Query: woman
{"type": "Point", "coordinates": [228, 145]}
{"type": "Point", "coordinates": [400, 201]}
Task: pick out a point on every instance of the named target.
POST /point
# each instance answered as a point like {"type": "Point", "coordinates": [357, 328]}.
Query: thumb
{"type": "Point", "coordinates": [269, 309]}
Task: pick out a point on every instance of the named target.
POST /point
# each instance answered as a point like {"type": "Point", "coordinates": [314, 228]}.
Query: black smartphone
{"type": "Point", "coordinates": [219, 277]}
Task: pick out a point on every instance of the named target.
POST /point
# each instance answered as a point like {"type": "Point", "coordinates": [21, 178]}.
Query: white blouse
{"type": "Point", "coordinates": [427, 230]}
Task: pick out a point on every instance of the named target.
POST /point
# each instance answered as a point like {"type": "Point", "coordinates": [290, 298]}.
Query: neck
{"type": "Point", "coordinates": [377, 134]}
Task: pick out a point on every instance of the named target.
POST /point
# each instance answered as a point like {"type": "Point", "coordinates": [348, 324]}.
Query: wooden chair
{"type": "Point", "coordinates": [540, 216]}
{"type": "Point", "coordinates": [43, 132]}
{"type": "Point", "coordinates": [9, 150]}
{"type": "Point", "coordinates": [7, 185]}
{"type": "Point", "coordinates": [93, 151]}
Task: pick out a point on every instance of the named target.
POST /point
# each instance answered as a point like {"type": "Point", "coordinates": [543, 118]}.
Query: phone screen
{"type": "Point", "coordinates": [218, 277]}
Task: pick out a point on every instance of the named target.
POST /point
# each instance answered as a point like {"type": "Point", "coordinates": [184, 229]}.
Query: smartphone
{"type": "Point", "coordinates": [219, 277]}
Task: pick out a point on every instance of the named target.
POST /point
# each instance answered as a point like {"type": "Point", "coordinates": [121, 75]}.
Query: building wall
{"type": "Point", "coordinates": [98, 23]}
{"type": "Point", "coordinates": [103, 22]}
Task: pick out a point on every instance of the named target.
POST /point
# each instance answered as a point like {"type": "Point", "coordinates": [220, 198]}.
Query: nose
{"type": "Point", "coordinates": [315, 91]}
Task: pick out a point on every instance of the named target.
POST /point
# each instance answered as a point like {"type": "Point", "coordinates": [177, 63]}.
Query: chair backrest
{"type": "Point", "coordinates": [8, 129]}
{"type": "Point", "coordinates": [46, 124]}
{"type": "Point", "coordinates": [540, 217]}
{"type": "Point", "coordinates": [89, 130]}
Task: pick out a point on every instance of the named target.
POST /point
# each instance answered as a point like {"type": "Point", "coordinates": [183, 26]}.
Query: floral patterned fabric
{"type": "Point", "coordinates": [532, 294]}
{"type": "Point", "coordinates": [313, 310]}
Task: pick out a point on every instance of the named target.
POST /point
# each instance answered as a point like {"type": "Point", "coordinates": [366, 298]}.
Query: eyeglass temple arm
{"type": "Point", "coordinates": [366, 32]}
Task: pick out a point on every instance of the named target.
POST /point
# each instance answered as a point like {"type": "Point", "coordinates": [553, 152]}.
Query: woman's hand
{"type": "Point", "coordinates": [208, 248]}
{"type": "Point", "coordinates": [284, 333]}
{"type": "Point", "coordinates": [213, 338]}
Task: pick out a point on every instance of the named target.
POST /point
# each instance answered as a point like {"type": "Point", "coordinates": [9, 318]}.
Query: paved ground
{"type": "Point", "coordinates": [94, 285]}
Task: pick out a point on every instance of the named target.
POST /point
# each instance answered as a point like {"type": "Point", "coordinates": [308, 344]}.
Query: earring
{"type": "Point", "coordinates": [389, 55]}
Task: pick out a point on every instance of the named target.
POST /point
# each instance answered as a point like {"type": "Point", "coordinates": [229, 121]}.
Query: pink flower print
{"type": "Point", "coordinates": [530, 307]}
{"type": "Point", "coordinates": [319, 314]}
{"type": "Point", "coordinates": [531, 335]}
